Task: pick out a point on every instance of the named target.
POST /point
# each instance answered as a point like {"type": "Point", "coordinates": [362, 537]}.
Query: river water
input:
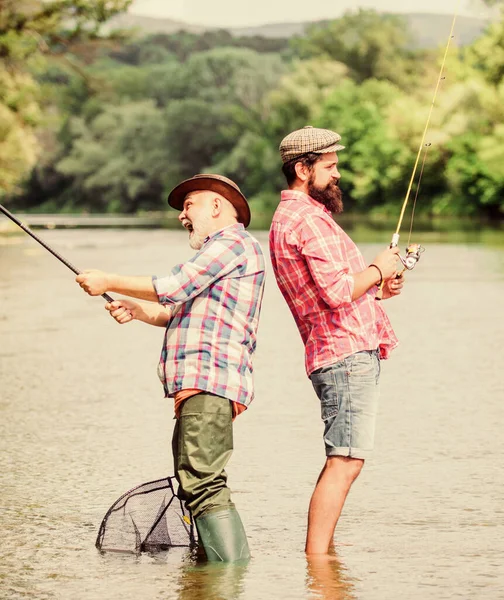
{"type": "Point", "coordinates": [82, 420]}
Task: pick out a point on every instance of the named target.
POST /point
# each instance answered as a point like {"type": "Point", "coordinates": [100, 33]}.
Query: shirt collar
{"type": "Point", "coordinates": [234, 226]}
{"type": "Point", "coordinates": [299, 196]}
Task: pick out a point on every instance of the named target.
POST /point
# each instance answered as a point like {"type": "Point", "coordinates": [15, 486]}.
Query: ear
{"type": "Point", "coordinates": [216, 206]}
{"type": "Point", "coordinates": [302, 171]}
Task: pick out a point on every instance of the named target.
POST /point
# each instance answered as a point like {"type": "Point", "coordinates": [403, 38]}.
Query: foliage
{"type": "Point", "coordinates": [118, 160]}
{"type": "Point", "coordinates": [370, 44]}
{"type": "Point", "coordinates": [184, 44]}
{"type": "Point", "coordinates": [487, 53]}
{"type": "Point", "coordinates": [30, 30]}
{"type": "Point", "coordinates": [372, 159]}
{"type": "Point", "coordinates": [111, 125]}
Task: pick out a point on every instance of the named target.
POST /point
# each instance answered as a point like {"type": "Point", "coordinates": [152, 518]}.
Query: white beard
{"type": "Point", "coordinates": [200, 231]}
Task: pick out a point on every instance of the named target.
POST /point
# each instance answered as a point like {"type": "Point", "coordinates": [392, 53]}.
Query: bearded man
{"type": "Point", "coordinates": [209, 307]}
{"type": "Point", "coordinates": [330, 291]}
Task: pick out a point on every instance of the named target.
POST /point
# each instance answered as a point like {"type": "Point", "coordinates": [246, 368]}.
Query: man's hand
{"type": "Point", "coordinates": [123, 310]}
{"type": "Point", "coordinates": [94, 282]}
{"type": "Point", "coordinates": [386, 261]}
{"type": "Point", "coordinates": [393, 287]}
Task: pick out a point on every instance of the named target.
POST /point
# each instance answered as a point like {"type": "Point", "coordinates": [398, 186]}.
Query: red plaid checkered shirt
{"type": "Point", "coordinates": [216, 300]}
{"type": "Point", "coordinates": [313, 260]}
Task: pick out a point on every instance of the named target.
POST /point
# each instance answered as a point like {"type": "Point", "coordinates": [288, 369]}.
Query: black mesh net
{"type": "Point", "coordinates": [148, 518]}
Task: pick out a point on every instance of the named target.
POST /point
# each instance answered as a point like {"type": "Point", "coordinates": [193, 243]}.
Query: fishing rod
{"type": "Point", "coordinates": [170, 525]}
{"type": "Point", "coordinates": [27, 230]}
{"type": "Point", "coordinates": [413, 251]}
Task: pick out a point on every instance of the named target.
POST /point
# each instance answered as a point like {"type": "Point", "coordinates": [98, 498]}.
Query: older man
{"type": "Point", "coordinates": [210, 308]}
{"type": "Point", "coordinates": [331, 293]}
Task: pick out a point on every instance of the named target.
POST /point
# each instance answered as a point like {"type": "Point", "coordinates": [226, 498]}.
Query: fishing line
{"type": "Point", "coordinates": [427, 147]}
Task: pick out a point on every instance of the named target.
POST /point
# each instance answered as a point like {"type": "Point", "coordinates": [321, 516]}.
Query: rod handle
{"type": "Point", "coordinates": [393, 244]}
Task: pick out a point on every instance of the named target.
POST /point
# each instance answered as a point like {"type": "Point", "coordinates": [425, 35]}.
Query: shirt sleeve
{"type": "Point", "coordinates": [323, 249]}
{"type": "Point", "coordinates": [215, 260]}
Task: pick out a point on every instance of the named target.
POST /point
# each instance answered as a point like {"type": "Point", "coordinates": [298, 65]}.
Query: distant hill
{"type": "Point", "coordinates": [428, 30]}
{"type": "Point", "coordinates": [148, 25]}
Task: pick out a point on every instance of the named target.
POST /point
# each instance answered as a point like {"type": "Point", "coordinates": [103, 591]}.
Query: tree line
{"type": "Point", "coordinates": [109, 123]}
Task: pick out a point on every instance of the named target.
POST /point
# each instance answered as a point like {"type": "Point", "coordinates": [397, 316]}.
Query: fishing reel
{"type": "Point", "coordinates": [413, 253]}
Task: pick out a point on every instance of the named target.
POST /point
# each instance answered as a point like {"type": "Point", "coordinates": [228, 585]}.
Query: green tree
{"type": "Point", "coordinates": [254, 160]}
{"type": "Point", "coordinates": [487, 53]}
{"type": "Point", "coordinates": [475, 165]}
{"type": "Point", "coordinates": [30, 30]}
{"type": "Point", "coordinates": [199, 133]}
{"type": "Point", "coordinates": [370, 44]}
{"type": "Point", "coordinates": [301, 92]}
{"type": "Point", "coordinates": [231, 75]}
{"type": "Point", "coordinates": [373, 159]}
{"type": "Point", "coordinates": [184, 44]}
{"type": "Point", "coordinates": [119, 161]}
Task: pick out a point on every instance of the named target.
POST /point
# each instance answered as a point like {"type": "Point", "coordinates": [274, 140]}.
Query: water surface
{"type": "Point", "coordinates": [82, 420]}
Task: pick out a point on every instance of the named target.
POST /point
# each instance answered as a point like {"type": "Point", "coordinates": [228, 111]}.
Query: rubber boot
{"type": "Point", "coordinates": [222, 535]}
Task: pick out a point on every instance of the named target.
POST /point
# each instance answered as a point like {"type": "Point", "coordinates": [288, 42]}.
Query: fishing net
{"type": "Point", "coordinates": [148, 518]}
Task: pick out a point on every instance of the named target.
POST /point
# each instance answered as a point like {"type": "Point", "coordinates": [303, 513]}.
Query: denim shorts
{"type": "Point", "coordinates": [348, 391]}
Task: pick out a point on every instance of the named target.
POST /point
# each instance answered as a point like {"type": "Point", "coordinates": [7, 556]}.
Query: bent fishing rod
{"type": "Point", "coordinates": [56, 254]}
{"type": "Point", "coordinates": [413, 251]}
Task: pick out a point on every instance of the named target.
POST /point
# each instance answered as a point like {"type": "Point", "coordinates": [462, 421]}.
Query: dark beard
{"type": "Point", "coordinates": [330, 196]}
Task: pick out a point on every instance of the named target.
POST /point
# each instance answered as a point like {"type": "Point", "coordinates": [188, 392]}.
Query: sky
{"type": "Point", "coordinates": [236, 13]}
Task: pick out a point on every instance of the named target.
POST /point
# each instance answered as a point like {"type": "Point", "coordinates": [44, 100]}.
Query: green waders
{"type": "Point", "coordinates": [202, 445]}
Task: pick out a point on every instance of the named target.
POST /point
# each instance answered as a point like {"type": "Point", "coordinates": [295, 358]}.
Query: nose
{"type": "Point", "coordinates": [336, 175]}
{"type": "Point", "coordinates": [181, 217]}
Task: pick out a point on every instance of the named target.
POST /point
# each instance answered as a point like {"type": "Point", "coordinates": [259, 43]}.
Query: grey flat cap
{"type": "Point", "coordinates": [309, 139]}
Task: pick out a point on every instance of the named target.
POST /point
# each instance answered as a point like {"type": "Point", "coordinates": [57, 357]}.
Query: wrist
{"type": "Point", "coordinates": [380, 274]}
{"type": "Point", "coordinates": [111, 281]}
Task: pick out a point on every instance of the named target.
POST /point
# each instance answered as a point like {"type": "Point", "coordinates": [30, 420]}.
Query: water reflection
{"type": "Point", "coordinates": [75, 385]}
{"type": "Point", "coordinates": [327, 578]}
{"type": "Point", "coordinates": [210, 581]}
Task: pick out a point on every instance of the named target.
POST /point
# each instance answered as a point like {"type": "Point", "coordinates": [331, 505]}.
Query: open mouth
{"type": "Point", "coordinates": [188, 226]}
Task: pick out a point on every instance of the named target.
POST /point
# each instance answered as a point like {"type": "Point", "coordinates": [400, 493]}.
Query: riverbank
{"type": "Point", "coordinates": [91, 221]}
{"type": "Point", "coordinates": [361, 228]}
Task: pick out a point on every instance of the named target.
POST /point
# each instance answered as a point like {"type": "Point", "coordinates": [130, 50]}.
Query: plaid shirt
{"type": "Point", "coordinates": [216, 297]}
{"type": "Point", "coordinates": [313, 259]}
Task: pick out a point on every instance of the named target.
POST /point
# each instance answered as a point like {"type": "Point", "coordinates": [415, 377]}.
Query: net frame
{"type": "Point", "coordinates": [143, 545]}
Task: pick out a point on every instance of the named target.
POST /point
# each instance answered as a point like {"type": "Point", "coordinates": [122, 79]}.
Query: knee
{"type": "Point", "coordinates": [344, 467]}
{"type": "Point", "coordinates": [355, 467]}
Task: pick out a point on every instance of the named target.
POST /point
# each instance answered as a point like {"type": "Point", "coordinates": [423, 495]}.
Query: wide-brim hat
{"type": "Point", "coordinates": [212, 183]}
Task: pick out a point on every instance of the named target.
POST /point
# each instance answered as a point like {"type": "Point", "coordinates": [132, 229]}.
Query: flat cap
{"type": "Point", "coordinates": [309, 139]}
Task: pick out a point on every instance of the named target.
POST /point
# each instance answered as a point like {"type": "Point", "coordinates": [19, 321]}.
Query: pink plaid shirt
{"type": "Point", "coordinates": [313, 260]}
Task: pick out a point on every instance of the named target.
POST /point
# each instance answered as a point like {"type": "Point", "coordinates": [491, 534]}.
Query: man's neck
{"type": "Point", "coordinates": [222, 224]}
{"type": "Point", "coordinates": [299, 186]}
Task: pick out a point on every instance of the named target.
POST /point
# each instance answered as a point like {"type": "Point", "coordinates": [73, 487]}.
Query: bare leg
{"type": "Point", "coordinates": [327, 501]}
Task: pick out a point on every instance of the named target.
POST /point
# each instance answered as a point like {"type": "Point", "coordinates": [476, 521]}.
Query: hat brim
{"type": "Point", "coordinates": [334, 148]}
{"type": "Point", "coordinates": [178, 195]}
